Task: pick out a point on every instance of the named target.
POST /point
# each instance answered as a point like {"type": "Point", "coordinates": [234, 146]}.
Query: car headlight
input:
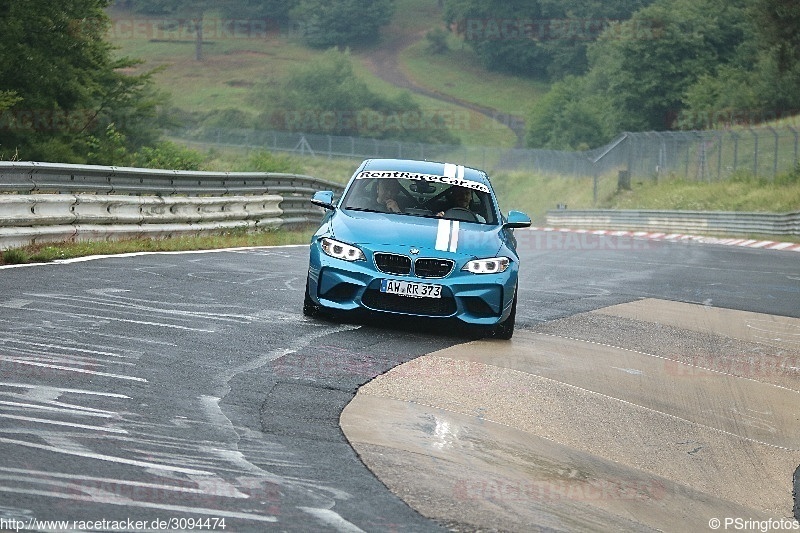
{"type": "Point", "coordinates": [487, 266]}
{"type": "Point", "coordinates": [340, 250]}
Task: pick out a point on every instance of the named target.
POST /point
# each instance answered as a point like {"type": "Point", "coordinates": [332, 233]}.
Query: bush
{"type": "Point", "coordinates": [326, 97]}
{"type": "Point", "coordinates": [437, 41]}
{"type": "Point", "coordinates": [264, 161]}
{"type": "Point", "coordinates": [14, 256]}
{"type": "Point", "coordinates": [167, 155]}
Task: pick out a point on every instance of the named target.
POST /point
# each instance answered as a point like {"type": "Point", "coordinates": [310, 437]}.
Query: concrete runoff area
{"type": "Point", "coordinates": [651, 415]}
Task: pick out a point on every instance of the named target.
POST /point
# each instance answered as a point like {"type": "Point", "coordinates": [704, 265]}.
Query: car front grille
{"type": "Point", "coordinates": [393, 263]}
{"type": "Point", "coordinates": [380, 301]}
{"type": "Point", "coordinates": [432, 268]}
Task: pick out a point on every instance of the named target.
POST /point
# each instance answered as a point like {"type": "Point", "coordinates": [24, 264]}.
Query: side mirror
{"type": "Point", "coordinates": [517, 219]}
{"type": "Point", "coordinates": [323, 199]}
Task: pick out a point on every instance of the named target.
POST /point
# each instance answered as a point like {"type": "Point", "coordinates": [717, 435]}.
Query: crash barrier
{"type": "Point", "coordinates": [700, 222]}
{"type": "Point", "coordinates": [49, 202]}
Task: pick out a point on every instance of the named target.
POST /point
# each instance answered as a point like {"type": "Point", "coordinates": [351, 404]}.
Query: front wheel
{"type": "Point", "coordinates": [505, 329]}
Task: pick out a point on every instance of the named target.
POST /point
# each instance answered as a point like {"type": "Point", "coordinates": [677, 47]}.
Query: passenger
{"type": "Point", "coordinates": [383, 199]}
{"type": "Point", "coordinates": [388, 190]}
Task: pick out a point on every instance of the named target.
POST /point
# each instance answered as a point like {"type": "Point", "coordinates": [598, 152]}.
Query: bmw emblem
{"type": "Point", "coordinates": [414, 251]}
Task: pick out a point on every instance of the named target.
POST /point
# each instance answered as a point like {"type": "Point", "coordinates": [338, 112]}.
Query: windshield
{"type": "Point", "coordinates": [416, 196]}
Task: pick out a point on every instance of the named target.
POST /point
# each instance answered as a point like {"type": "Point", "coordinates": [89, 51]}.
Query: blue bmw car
{"type": "Point", "coordinates": [416, 238]}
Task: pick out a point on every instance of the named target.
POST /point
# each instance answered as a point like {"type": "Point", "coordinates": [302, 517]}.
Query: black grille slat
{"type": "Point", "coordinates": [393, 263]}
{"type": "Point", "coordinates": [432, 268]}
{"type": "Point", "coordinates": [403, 304]}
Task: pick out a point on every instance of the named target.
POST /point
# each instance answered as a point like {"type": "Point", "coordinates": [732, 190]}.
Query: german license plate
{"type": "Point", "coordinates": [409, 288]}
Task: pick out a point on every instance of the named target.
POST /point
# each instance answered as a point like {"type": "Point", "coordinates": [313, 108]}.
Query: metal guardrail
{"type": "Point", "coordinates": [702, 222]}
{"type": "Point", "coordinates": [33, 177]}
{"type": "Point", "coordinates": [51, 202]}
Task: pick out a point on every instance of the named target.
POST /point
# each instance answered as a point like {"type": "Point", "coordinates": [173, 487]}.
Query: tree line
{"type": "Point", "coordinates": [639, 65]}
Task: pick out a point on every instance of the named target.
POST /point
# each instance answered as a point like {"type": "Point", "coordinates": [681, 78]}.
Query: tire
{"type": "Point", "coordinates": [505, 329]}
{"type": "Point", "coordinates": [310, 309]}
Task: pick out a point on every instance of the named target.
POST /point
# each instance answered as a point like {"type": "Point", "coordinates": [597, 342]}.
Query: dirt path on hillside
{"type": "Point", "coordinates": [384, 62]}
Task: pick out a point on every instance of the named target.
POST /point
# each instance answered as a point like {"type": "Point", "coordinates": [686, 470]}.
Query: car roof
{"type": "Point", "coordinates": [423, 167]}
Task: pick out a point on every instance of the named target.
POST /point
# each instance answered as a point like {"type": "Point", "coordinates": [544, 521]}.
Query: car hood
{"type": "Point", "coordinates": [431, 235]}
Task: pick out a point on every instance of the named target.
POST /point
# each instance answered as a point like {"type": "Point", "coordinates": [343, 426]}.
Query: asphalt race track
{"type": "Point", "coordinates": [189, 387]}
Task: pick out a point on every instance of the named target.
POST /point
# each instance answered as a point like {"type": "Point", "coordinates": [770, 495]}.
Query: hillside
{"type": "Point", "coordinates": [233, 68]}
{"type": "Point", "coordinates": [451, 83]}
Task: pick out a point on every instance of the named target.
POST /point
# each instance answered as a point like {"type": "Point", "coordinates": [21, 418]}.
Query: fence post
{"type": "Point", "coordinates": [755, 152]}
{"type": "Point", "coordinates": [624, 180]}
{"type": "Point", "coordinates": [775, 159]}
{"type": "Point", "coordinates": [794, 131]}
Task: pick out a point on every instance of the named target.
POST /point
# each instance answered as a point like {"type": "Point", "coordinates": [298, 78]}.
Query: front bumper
{"type": "Point", "coordinates": [480, 299]}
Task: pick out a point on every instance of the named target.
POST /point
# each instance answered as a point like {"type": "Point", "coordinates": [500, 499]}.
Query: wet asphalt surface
{"type": "Point", "coordinates": [191, 387]}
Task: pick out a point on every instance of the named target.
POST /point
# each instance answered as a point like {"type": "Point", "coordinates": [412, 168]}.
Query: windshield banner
{"type": "Point", "coordinates": [449, 180]}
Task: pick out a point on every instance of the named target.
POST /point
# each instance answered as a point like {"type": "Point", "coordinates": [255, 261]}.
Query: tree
{"type": "Point", "coordinates": [761, 83]}
{"type": "Point", "coordinates": [643, 70]}
{"type": "Point", "coordinates": [778, 24]}
{"type": "Point", "coordinates": [70, 88]}
{"type": "Point", "coordinates": [187, 14]}
{"type": "Point", "coordinates": [567, 118]}
{"type": "Point", "coordinates": [545, 39]}
{"type": "Point", "coordinates": [342, 22]}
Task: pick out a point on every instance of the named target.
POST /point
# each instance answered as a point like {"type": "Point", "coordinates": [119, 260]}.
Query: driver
{"type": "Point", "coordinates": [461, 198]}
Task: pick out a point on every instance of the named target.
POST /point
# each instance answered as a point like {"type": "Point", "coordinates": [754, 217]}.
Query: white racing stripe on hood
{"type": "Point", "coordinates": [454, 237]}
{"type": "Point", "coordinates": [454, 171]}
{"type": "Point", "coordinates": [443, 235]}
{"type": "Point", "coordinates": [447, 236]}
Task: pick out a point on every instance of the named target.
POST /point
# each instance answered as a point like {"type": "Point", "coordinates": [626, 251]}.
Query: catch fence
{"type": "Point", "coordinates": [696, 155]}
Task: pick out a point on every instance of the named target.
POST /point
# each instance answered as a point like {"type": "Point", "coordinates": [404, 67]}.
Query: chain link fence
{"type": "Point", "coordinates": [696, 155]}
